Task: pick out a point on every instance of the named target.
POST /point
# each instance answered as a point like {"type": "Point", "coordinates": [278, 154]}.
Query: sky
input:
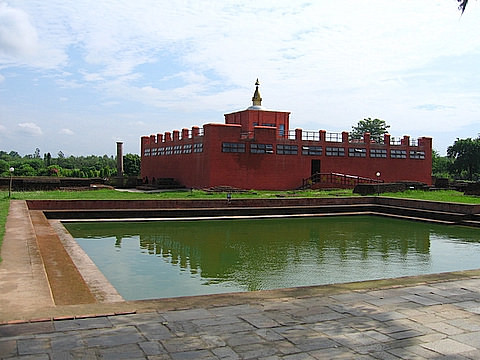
{"type": "Point", "coordinates": [78, 76]}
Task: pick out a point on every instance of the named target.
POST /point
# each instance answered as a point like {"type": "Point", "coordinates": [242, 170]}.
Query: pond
{"type": "Point", "coordinates": [160, 259]}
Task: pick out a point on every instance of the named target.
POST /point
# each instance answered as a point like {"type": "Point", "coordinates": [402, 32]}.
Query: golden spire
{"type": "Point", "coordinates": [257, 99]}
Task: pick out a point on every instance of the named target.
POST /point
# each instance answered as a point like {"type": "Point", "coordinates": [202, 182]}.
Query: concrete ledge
{"type": "Point", "coordinates": [250, 203]}
{"type": "Point", "coordinates": [447, 213]}
{"type": "Point", "coordinates": [66, 283]}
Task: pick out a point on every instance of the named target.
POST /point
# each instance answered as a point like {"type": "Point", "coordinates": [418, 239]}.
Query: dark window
{"type": "Point", "coordinates": [177, 149]}
{"type": "Point", "coordinates": [414, 154]}
{"type": "Point", "coordinates": [334, 151]}
{"type": "Point", "coordinates": [161, 151]}
{"type": "Point", "coordinates": [146, 152]}
{"type": "Point", "coordinates": [312, 150]}
{"type": "Point", "coordinates": [168, 150]}
{"type": "Point", "coordinates": [233, 147]}
{"type": "Point", "coordinates": [198, 147]}
{"type": "Point", "coordinates": [398, 154]}
{"type": "Point", "coordinates": [261, 148]}
{"type": "Point", "coordinates": [357, 152]}
{"type": "Point", "coordinates": [378, 153]}
{"type": "Point", "coordinates": [283, 149]}
{"type": "Point", "coordinates": [187, 148]}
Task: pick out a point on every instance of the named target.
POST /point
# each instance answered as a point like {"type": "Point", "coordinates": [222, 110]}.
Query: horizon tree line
{"type": "Point", "coordinates": [73, 166]}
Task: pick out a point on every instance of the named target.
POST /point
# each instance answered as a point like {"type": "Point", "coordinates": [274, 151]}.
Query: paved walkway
{"type": "Point", "coordinates": [430, 321]}
{"type": "Point", "coordinates": [436, 317]}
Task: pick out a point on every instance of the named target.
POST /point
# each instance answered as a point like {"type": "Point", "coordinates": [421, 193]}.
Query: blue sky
{"type": "Point", "coordinates": [77, 76]}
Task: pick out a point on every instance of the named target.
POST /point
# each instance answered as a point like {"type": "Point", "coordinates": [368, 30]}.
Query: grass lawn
{"type": "Point", "coordinates": [108, 194]}
{"type": "Point", "coordinates": [440, 195]}
{"type": "Point", "coordinates": [4, 204]}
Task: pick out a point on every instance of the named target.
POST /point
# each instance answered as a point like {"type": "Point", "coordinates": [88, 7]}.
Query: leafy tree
{"type": "Point", "coordinates": [441, 165]}
{"type": "Point", "coordinates": [54, 170]}
{"type": "Point", "coordinates": [47, 158]}
{"type": "Point", "coordinates": [466, 157]}
{"type": "Point", "coordinates": [131, 164]}
{"type": "Point", "coordinates": [4, 167]}
{"type": "Point", "coordinates": [376, 127]}
{"type": "Point", "coordinates": [25, 170]}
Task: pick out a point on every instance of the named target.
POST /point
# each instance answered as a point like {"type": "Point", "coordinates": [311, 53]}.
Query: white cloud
{"type": "Point", "coordinates": [18, 37]}
{"type": "Point", "coordinates": [66, 132]}
{"type": "Point", "coordinates": [330, 63]}
{"type": "Point", "coordinates": [30, 128]}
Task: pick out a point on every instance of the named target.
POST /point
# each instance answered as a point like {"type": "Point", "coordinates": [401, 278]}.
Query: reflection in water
{"type": "Point", "coordinates": [237, 255]}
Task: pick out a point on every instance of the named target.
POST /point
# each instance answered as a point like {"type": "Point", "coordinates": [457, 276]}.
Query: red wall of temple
{"type": "Point", "coordinates": [247, 170]}
{"type": "Point", "coordinates": [248, 119]}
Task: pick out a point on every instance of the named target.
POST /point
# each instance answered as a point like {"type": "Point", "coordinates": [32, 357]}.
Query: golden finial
{"type": "Point", "coordinates": [257, 99]}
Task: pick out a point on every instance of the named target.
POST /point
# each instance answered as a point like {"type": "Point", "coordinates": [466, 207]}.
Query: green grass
{"type": "Point", "coordinates": [4, 204]}
{"type": "Point", "coordinates": [109, 194]}
{"type": "Point", "coordinates": [440, 195]}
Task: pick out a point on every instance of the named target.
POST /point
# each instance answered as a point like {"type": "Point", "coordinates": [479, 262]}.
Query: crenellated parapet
{"type": "Point", "coordinates": [340, 143]}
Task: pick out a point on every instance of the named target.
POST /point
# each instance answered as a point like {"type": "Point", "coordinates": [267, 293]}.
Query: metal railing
{"type": "Point", "coordinates": [311, 135]}
{"type": "Point", "coordinates": [395, 141]}
{"type": "Point", "coordinates": [336, 179]}
{"type": "Point", "coordinates": [333, 137]}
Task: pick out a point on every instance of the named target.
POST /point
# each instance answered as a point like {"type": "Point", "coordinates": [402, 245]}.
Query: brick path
{"type": "Point", "coordinates": [434, 320]}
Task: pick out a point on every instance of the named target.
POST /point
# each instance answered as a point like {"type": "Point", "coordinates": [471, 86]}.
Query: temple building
{"type": "Point", "coordinates": [255, 149]}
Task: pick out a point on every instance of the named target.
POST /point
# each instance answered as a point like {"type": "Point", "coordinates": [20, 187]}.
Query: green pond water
{"type": "Point", "coordinates": [177, 258]}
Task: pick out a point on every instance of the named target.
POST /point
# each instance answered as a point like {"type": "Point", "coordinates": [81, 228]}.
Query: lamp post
{"type": "Point", "coordinates": [10, 186]}
{"type": "Point", "coordinates": [378, 184]}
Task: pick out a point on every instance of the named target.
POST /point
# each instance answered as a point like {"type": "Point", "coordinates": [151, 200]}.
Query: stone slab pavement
{"type": "Point", "coordinates": [438, 320]}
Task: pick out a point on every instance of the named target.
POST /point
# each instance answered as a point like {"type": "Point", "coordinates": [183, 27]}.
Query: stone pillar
{"type": "Point", "coordinates": [119, 158]}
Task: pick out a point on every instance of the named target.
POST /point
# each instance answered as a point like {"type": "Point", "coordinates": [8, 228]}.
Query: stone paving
{"type": "Point", "coordinates": [438, 320]}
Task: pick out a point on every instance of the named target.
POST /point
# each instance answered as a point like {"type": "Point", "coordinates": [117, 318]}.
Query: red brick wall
{"type": "Point", "coordinates": [248, 170]}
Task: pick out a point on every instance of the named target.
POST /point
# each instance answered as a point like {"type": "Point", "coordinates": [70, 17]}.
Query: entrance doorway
{"type": "Point", "coordinates": [315, 167]}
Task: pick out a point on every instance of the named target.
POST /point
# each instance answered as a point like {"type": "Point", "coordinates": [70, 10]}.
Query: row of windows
{"type": "Point", "coordinates": [261, 148]}
{"type": "Point", "coordinates": [177, 149]}
{"type": "Point", "coordinates": [284, 149]}
{"type": "Point", "coordinates": [233, 147]}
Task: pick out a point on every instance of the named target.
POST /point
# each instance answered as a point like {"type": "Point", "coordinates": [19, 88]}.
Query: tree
{"type": "Point", "coordinates": [441, 165]}
{"type": "Point", "coordinates": [466, 157]}
{"type": "Point", "coordinates": [47, 158]}
{"type": "Point", "coordinates": [3, 167]}
{"type": "Point", "coordinates": [376, 127]}
{"type": "Point", "coordinates": [131, 164]}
